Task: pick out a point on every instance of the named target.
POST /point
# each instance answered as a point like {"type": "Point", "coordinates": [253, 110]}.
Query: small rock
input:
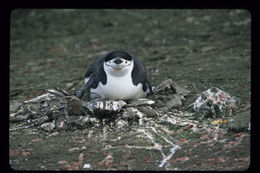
{"type": "Point", "coordinates": [104, 107]}
{"type": "Point", "coordinates": [148, 111]}
{"type": "Point", "coordinates": [132, 113]}
{"type": "Point", "coordinates": [19, 118]}
{"type": "Point", "coordinates": [170, 87]}
{"type": "Point", "coordinates": [140, 102]}
{"type": "Point", "coordinates": [74, 106]}
{"type": "Point", "coordinates": [76, 121]}
{"type": "Point", "coordinates": [107, 161]}
{"type": "Point", "coordinates": [121, 123]}
{"type": "Point", "coordinates": [69, 85]}
{"type": "Point", "coordinates": [175, 102]}
{"type": "Point", "coordinates": [57, 93]}
{"type": "Point", "coordinates": [240, 122]}
{"type": "Point", "coordinates": [33, 108]}
{"type": "Point", "coordinates": [166, 85]}
{"type": "Point", "coordinates": [46, 96]}
{"type": "Point", "coordinates": [48, 126]}
{"type": "Point", "coordinates": [41, 120]}
{"type": "Point", "coordinates": [14, 106]}
{"type": "Point", "coordinates": [160, 103]}
{"type": "Point", "coordinates": [214, 103]}
{"type": "Point", "coordinates": [86, 166]}
{"type": "Point", "coordinates": [207, 49]}
{"type": "Point", "coordinates": [181, 91]}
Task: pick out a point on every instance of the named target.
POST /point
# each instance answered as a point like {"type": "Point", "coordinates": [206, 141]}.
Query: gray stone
{"type": "Point", "coordinates": [74, 106]}
{"type": "Point", "coordinates": [41, 119]}
{"type": "Point", "coordinates": [140, 102]}
{"type": "Point", "coordinates": [148, 111]}
{"type": "Point", "coordinates": [214, 103]}
{"type": "Point", "coordinates": [19, 118]}
{"type": "Point", "coordinates": [180, 90]}
{"type": "Point", "coordinates": [132, 113]}
{"type": "Point", "coordinates": [175, 102]}
{"type": "Point", "coordinates": [48, 126]}
{"type": "Point", "coordinates": [57, 93]}
{"type": "Point", "coordinates": [240, 122]}
{"type": "Point", "coordinates": [121, 123]}
{"type": "Point", "coordinates": [170, 87]}
{"type": "Point", "coordinates": [14, 106]}
{"type": "Point", "coordinates": [79, 122]}
{"type": "Point", "coordinates": [166, 85]}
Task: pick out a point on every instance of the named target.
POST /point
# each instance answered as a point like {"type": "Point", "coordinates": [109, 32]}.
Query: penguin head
{"type": "Point", "coordinates": [118, 63]}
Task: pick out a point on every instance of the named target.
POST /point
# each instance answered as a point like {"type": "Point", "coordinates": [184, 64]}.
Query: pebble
{"type": "Point", "coordinates": [175, 102]}
{"type": "Point", "coordinates": [107, 161]}
{"type": "Point", "coordinates": [52, 91]}
{"type": "Point", "coordinates": [240, 122]}
{"type": "Point", "coordinates": [121, 123]}
{"type": "Point", "coordinates": [170, 87]}
{"type": "Point", "coordinates": [86, 166]}
{"type": "Point", "coordinates": [69, 85]}
{"type": "Point", "coordinates": [14, 106]}
{"type": "Point", "coordinates": [74, 106]}
{"type": "Point", "coordinates": [48, 126]}
{"type": "Point", "coordinates": [148, 111]}
{"type": "Point", "coordinates": [140, 102]}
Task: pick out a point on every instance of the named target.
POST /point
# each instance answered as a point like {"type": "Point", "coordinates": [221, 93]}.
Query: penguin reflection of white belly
{"type": "Point", "coordinates": [119, 88]}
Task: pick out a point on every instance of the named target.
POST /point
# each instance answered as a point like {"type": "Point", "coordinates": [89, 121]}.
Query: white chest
{"type": "Point", "coordinates": [119, 88]}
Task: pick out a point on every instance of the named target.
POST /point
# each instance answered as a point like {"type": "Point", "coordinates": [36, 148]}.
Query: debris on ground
{"type": "Point", "coordinates": [240, 122]}
{"type": "Point", "coordinates": [57, 109]}
{"type": "Point", "coordinates": [170, 87]}
{"type": "Point", "coordinates": [157, 121]}
{"type": "Point", "coordinates": [214, 103]}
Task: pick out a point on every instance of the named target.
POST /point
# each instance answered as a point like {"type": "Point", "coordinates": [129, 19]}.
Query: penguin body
{"type": "Point", "coordinates": [116, 75]}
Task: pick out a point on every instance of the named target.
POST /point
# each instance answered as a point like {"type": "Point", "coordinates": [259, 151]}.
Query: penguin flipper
{"type": "Point", "coordinates": [149, 86]}
{"type": "Point", "coordinates": [85, 88]}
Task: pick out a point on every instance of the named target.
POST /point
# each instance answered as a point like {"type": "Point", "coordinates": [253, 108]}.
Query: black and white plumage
{"type": "Point", "coordinates": [116, 75]}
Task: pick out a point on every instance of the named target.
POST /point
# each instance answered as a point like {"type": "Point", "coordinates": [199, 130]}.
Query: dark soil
{"type": "Point", "coordinates": [198, 49]}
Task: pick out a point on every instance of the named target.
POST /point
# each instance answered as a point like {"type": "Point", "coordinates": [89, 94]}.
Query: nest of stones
{"type": "Point", "coordinates": [59, 109]}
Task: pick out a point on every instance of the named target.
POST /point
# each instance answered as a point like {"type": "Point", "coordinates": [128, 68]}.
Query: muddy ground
{"type": "Point", "coordinates": [198, 49]}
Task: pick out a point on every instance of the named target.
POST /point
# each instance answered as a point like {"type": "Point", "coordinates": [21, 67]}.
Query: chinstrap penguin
{"type": "Point", "coordinates": [116, 75]}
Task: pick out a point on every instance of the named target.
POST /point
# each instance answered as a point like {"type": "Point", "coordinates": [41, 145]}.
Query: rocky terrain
{"type": "Point", "coordinates": [198, 62]}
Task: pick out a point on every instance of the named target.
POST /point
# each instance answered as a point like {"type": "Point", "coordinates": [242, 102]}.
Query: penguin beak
{"type": "Point", "coordinates": [117, 68]}
{"type": "Point", "coordinates": [118, 65]}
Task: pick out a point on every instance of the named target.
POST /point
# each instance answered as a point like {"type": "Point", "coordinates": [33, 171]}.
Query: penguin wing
{"type": "Point", "coordinates": [97, 73]}
{"type": "Point", "coordinates": [139, 75]}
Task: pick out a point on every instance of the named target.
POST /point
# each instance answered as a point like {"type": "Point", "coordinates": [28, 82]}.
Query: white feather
{"type": "Point", "coordinates": [119, 84]}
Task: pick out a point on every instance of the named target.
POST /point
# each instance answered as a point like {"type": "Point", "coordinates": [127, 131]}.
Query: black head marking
{"type": "Point", "coordinates": [115, 54]}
